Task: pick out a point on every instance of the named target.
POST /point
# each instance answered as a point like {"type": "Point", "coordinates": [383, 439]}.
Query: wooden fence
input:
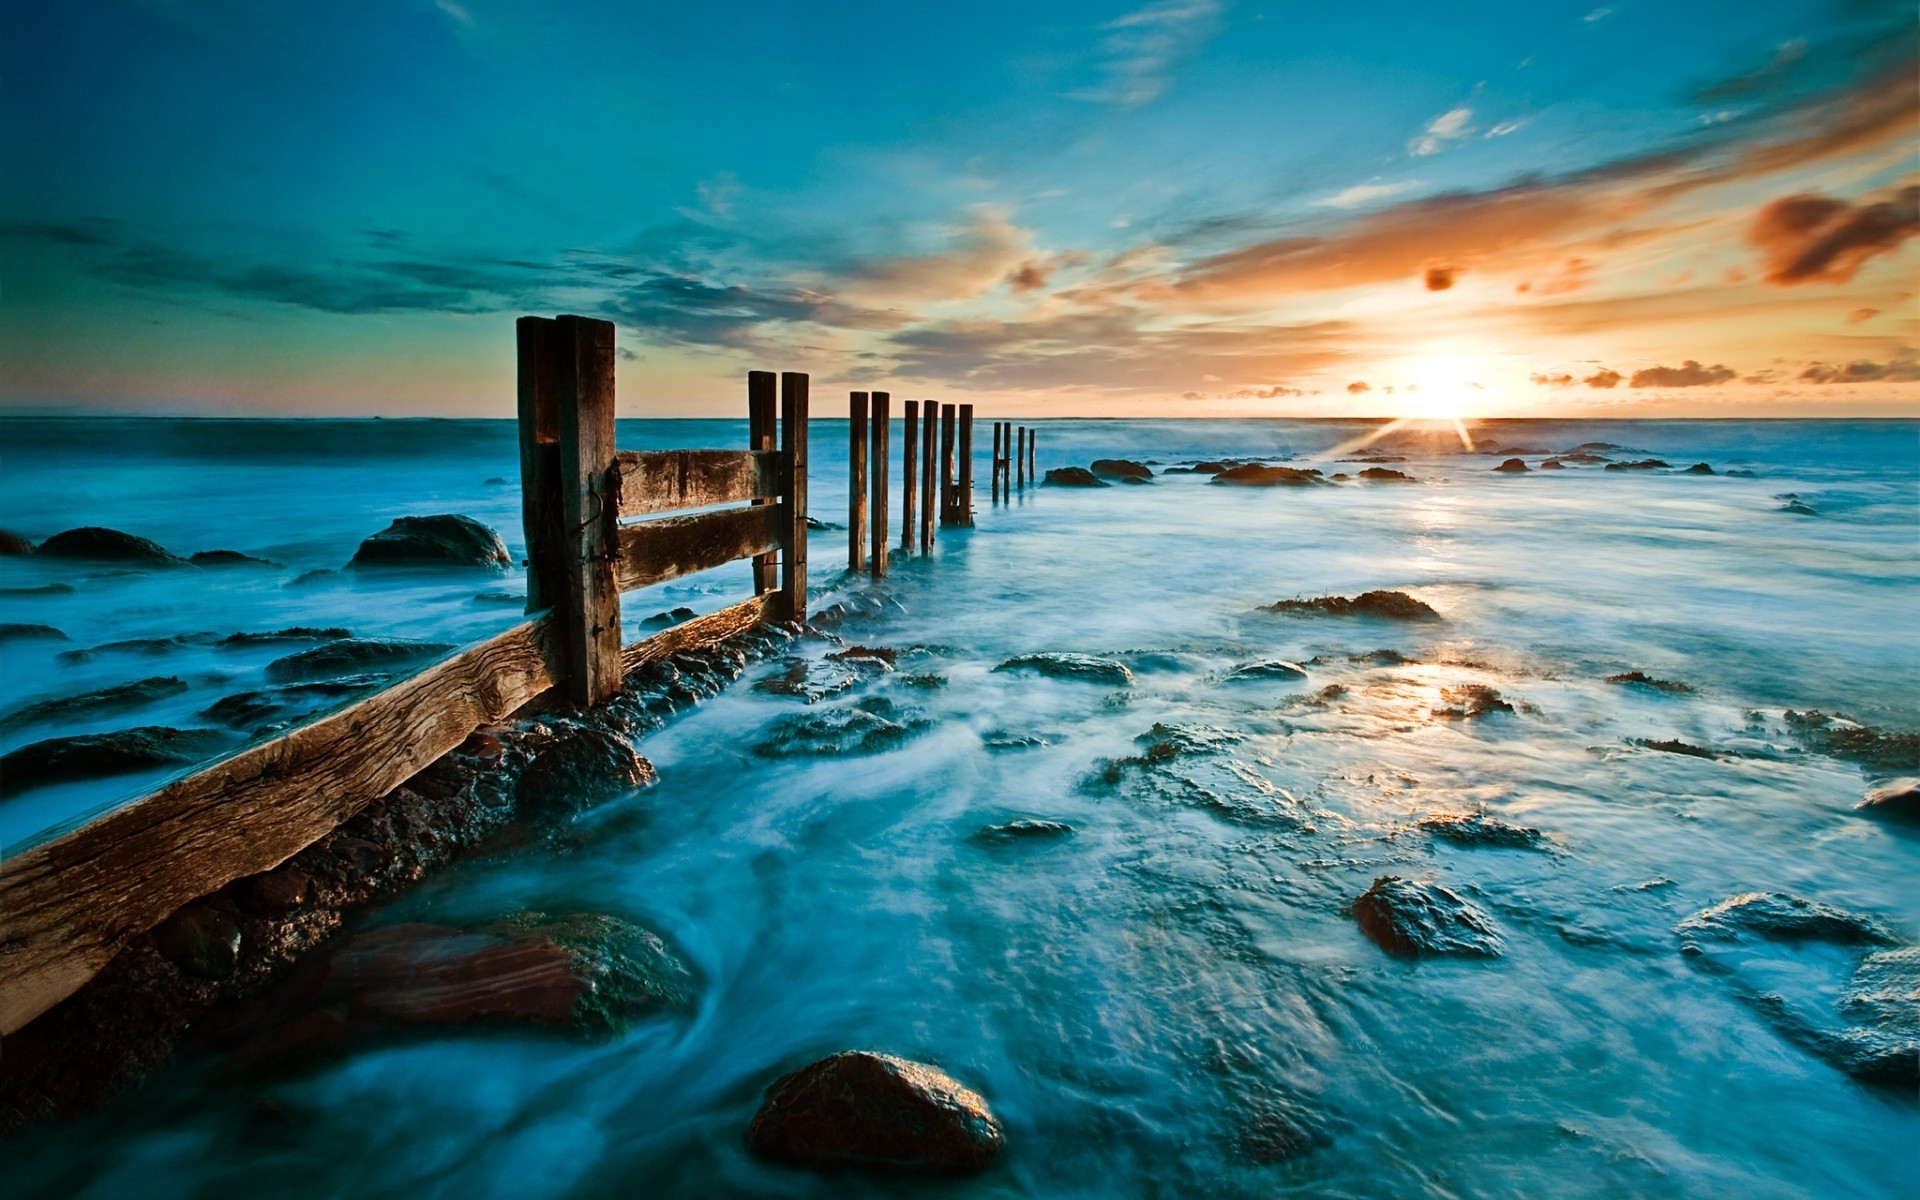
{"type": "Point", "coordinates": [69, 904]}
{"type": "Point", "coordinates": [869, 436]}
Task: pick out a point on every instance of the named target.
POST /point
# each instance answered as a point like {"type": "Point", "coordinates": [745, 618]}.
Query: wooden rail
{"type": "Point", "coordinates": [657, 551]}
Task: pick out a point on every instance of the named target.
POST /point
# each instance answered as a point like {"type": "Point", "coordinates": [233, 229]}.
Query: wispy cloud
{"type": "Point", "coordinates": [1366, 193]}
{"type": "Point", "coordinates": [455, 11]}
{"type": "Point", "coordinates": [1449, 127]}
{"type": "Point", "coordinates": [1141, 49]}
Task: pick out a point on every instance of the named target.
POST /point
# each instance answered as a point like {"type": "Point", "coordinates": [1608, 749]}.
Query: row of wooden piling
{"type": "Point", "coordinates": [925, 492]}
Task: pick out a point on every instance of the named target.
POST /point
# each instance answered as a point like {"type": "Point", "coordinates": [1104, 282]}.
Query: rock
{"type": "Point", "coordinates": [1506, 450]}
{"type": "Point", "coordinates": [14, 543]}
{"type": "Point", "coordinates": [1003, 740]}
{"type": "Point", "coordinates": [1577, 456]}
{"type": "Point", "coordinates": [1642, 679]}
{"type": "Point", "coordinates": [1208, 468]}
{"type": "Point", "coordinates": [1553, 464]}
{"type": "Point", "coordinates": [1479, 829]}
{"type": "Point", "coordinates": [1275, 1130]}
{"type": "Point", "coordinates": [1376, 458]}
{"type": "Point", "coordinates": [272, 893]}
{"type": "Point", "coordinates": [494, 481]}
{"type": "Point", "coordinates": [1074, 477]}
{"type": "Point", "coordinates": [1258, 475]}
{"type": "Point", "coordinates": [1083, 667]}
{"type": "Point", "coordinates": [1674, 746]}
{"type": "Point", "coordinates": [819, 526]}
{"type": "Point", "coordinates": [1882, 1003]}
{"type": "Point", "coordinates": [152, 646]}
{"type": "Point", "coordinates": [1387, 475]}
{"type": "Point", "coordinates": [1645, 464]}
{"type": "Point", "coordinates": [1698, 469]}
{"type": "Point", "coordinates": [813, 680]}
{"type": "Point", "coordinates": [1120, 468]}
{"type": "Point", "coordinates": [311, 578]}
{"type": "Point", "coordinates": [1897, 801]}
{"type": "Point", "coordinates": [1271, 669]}
{"type": "Point", "coordinates": [1392, 606]}
{"type": "Point", "coordinates": [1840, 737]}
{"type": "Point", "coordinates": [1415, 920]}
{"type": "Point", "coordinates": [582, 766]}
{"type": "Point", "coordinates": [926, 682]}
{"type": "Point", "coordinates": [1512, 466]}
{"type": "Point", "coordinates": [443, 540]}
{"type": "Point", "coordinates": [118, 698]}
{"type": "Point", "coordinates": [881, 654]}
{"type": "Point", "coordinates": [227, 558]}
{"type": "Point", "coordinates": [1471, 701]}
{"type": "Point", "coordinates": [97, 755]}
{"type": "Point", "coordinates": [108, 545]}
{"type": "Point", "coordinates": [1339, 477]}
{"type": "Point", "coordinates": [870, 727]}
{"type": "Point", "coordinates": [264, 708]}
{"type": "Point", "coordinates": [353, 656]}
{"type": "Point", "coordinates": [19, 631]}
{"type": "Point", "coordinates": [861, 1109]}
{"type": "Point", "coordinates": [1799, 508]}
{"type": "Point", "coordinates": [666, 620]}
{"type": "Point", "coordinates": [293, 633]}
{"type": "Point", "coordinates": [202, 941]}
{"type": "Point", "coordinates": [1590, 447]}
{"type": "Point", "coordinates": [514, 599]}
{"type": "Point", "coordinates": [44, 589]}
{"type": "Point", "coordinates": [1779, 917]}
{"type": "Point", "coordinates": [1739, 473]}
{"type": "Point", "coordinates": [1023, 829]}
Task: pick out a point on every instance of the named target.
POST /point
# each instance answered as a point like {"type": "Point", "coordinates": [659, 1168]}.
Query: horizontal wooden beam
{"type": "Point", "coordinates": [656, 481]}
{"type": "Point", "coordinates": [656, 551]}
{"type": "Point", "coordinates": [702, 633]}
{"type": "Point", "coordinates": [68, 905]}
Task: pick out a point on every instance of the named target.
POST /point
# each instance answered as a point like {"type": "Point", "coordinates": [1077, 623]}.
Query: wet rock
{"type": "Point", "coordinates": [1480, 830]}
{"type": "Point", "coordinates": [1084, 668]}
{"type": "Point", "coordinates": [860, 1109]}
{"type": "Point", "coordinates": [1471, 701]}
{"type": "Point", "coordinates": [1673, 746]}
{"type": "Point", "coordinates": [1074, 477]}
{"type": "Point", "coordinates": [1392, 606]}
{"type": "Point", "coordinates": [1376, 458]}
{"type": "Point", "coordinates": [1339, 477]}
{"type": "Point", "coordinates": [97, 755]}
{"type": "Point", "coordinates": [1897, 801]}
{"type": "Point", "coordinates": [1642, 679]}
{"type": "Point", "coordinates": [1698, 469]}
{"type": "Point", "coordinates": [1799, 508]}
{"type": "Point", "coordinates": [44, 589]}
{"type": "Point", "coordinates": [1003, 740]}
{"type": "Point", "coordinates": [1512, 466]}
{"type": "Point", "coordinates": [512, 599]}
{"type": "Point", "coordinates": [666, 620]}
{"type": "Point", "coordinates": [263, 708]}
{"type": "Point", "coordinates": [1260, 475]}
{"type": "Point", "coordinates": [353, 656]}
{"type": "Point", "coordinates": [1387, 475]}
{"type": "Point", "coordinates": [20, 631]}
{"type": "Point", "coordinates": [1842, 737]}
{"type": "Point", "coordinates": [293, 633]}
{"type": "Point", "coordinates": [153, 646]}
{"type": "Point", "coordinates": [1779, 917]}
{"type": "Point", "coordinates": [880, 654]}
{"type": "Point", "coordinates": [1415, 920]}
{"type": "Point", "coordinates": [1645, 464]}
{"type": "Point", "coordinates": [1208, 468]}
{"type": "Point", "coordinates": [118, 698]}
{"type": "Point", "coordinates": [202, 941]}
{"type": "Point", "coordinates": [1120, 468]}
{"type": "Point", "coordinates": [14, 543]}
{"type": "Point", "coordinates": [273, 893]}
{"type": "Point", "coordinates": [108, 545]}
{"type": "Point", "coordinates": [1274, 1130]}
{"type": "Point", "coordinates": [1582, 457]}
{"type": "Point", "coordinates": [1552, 464]}
{"type": "Point", "coordinates": [819, 526]}
{"type": "Point", "coordinates": [442, 540]}
{"type": "Point", "coordinates": [1882, 1006]}
{"type": "Point", "coordinates": [1022, 829]}
{"type": "Point", "coordinates": [813, 680]}
{"type": "Point", "coordinates": [926, 682]}
{"type": "Point", "coordinates": [494, 481]}
{"type": "Point", "coordinates": [581, 766]}
{"type": "Point", "coordinates": [872, 726]}
{"type": "Point", "coordinates": [227, 558]}
{"type": "Point", "coordinates": [1504, 451]}
{"type": "Point", "coordinates": [318, 575]}
{"type": "Point", "coordinates": [1739, 473]}
{"type": "Point", "coordinates": [1189, 765]}
{"type": "Point", "coordinates": [1272, 669]}
{"type": "Point", "coordinates": [1591, 447]}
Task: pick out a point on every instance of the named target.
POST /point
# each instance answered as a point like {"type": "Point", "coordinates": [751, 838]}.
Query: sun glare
{"type": "Point", "coordinates": [1441, 389]}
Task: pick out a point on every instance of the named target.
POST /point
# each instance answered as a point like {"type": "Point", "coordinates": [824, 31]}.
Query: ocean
{"type": "Point", "coordinates": [1139, 1000]}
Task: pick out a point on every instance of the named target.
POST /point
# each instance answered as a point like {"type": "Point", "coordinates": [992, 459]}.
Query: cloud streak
{"type": "Point", "coordinates": [1141, 49]}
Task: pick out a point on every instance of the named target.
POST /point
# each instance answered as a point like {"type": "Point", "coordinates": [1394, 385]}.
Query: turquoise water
{"type": "Point", "coordinates": [1131, 999]}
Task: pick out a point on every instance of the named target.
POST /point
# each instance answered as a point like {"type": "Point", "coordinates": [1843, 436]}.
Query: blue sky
{"type": "Point", "coordinates": [1185, 207]}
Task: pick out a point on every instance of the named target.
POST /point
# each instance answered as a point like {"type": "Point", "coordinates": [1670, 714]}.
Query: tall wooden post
{"type": "Point", "coordinates": [881, 432]}
{"type": "Point", "coordinates": [540, 467]}
{"type": "Point", "coordinates": [965, 516]}
{"type": "Point", "coordinates": [929, 476]}
{"type": "Point", "coordinates": [793, 439]}
{"type": "Point", "coordinates": [856, 481]}
{"type": "Point", "coordinates": [909, 473]}
{"type": "Point", "coordinates": [1033, 473]}
{"type": "Point", "coordinates": [1020, 459]}
{"type": "Point", "coordinates": [589, 507]}
{"type": "Point", "coordinates": [947, 416]}
{"type": "Point", "coordinates": [760, 430]}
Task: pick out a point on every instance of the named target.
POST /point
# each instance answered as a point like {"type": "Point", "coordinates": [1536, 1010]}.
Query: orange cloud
{"type": "Point", "coordinates": [1811, 238]}
{"type": "Point", "coordinates": [1902, 370]}
{"type": "Point", "coordinates": [1605, 377]}
{"type": "Point", "coordinates": [1439, 279]}
{"type": "Point", "coordinates": [1687, 374]}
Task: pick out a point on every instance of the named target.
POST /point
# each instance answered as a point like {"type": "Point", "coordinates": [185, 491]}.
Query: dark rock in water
{"type": "Point", "coordinates": [1274, 1130]}
{"type": "Point", "coordinates": [514, 599]}
{"type": "Point", "coordinates": [666, 620]}
{"type": "Point", "coordinates": [118, 698]}
{"type": "Point", "coordinates": [864, 1110]}
{"type": "Point", "coordinates": [1208, 468]}
{"type": "Point", "coordinates": [1843, 738]}
{"type": "Point", "coordinates": [318, 575]}
{"type": "Point", "coordinates": [108, 545]}
{"type": "Point", "coordinates": [19, 631]}
{"type": "Point", "coordinates": [353, 656]}
{"type": "Point", "coordinates": [261, 709]}
{"type": "Point", "coordinates": [96, 755]}
{"type": "Point", "coordinates": [1779, 917]}
{"type": "Point", "coordinates": [1415, 920]}
{"type": "Point", "coordinates": [813, 680]}
{"type": "Point", "coordinates": [1339, 477]}
{"type": "Point", "coordinates": [1258, 475]}
{"type": "Point", "coordinates": [1133, 479]}
{"type": "Point", "coordinates": [1642, 679]}
{"type": "Point", "coordinates": [494, 481]}
{"type": "Point", "coordinates": [443, 540]}
{"type": "Point", "coordinates": [819, 526]}
{"type": "Point", "coordinates": [1739, 473]}
{"type": "Point", "coordinates": [869, 727]}
{"type": "Point", "coordinates": [881, 654]}
{"type": "Point", "coordinates": [1392, 606]}
{"type": "Point", "coordinates": [200, 940]}
{"type": "Point", "coordinates": [1376, 458]}
{"type": "Point", "coordinates": [1698, 469]}
{"type": "Point", "coordinates": [1645, 464]}
{"type": "Point", "coordinates": [1023, 829]}
{"type": "Point", "coordinates": [1003, 740]}
{"type": "Point", "coordinates": [149, 646]}
{"type": "Point", "coordinates": [1387, 475]}
{"type": "Point", "coordinates": [1882, 1003]}
{"type": "Point", "coordinates": [1074, 477]}
{"type": "Point", "coordinates": [1578, 456]}
{"type": "Point", "coordinates": [1120, 468]}
{"type": "Point", "coordinates": [1897, 801]}
{"type": "Point", "coordinates": [926, 683]}
{"type": "Point", "coordinates": [44, 589]}
{"type": "Point", "coordinates": [1382, 658]}
{"type": "Point", "coordinates": [1552, 464]}
{"type": "Point", "coordinates": [1512, 466]}
{"type": "Point", "coordinates": [1271, 669]}
{"type": "Point", "coordinates": [1674, 746]}
{"type": "Point", "coordinates": [1083, 667]}
{"type": "Point", "coordinates": [14, 543]}
{"type": "Point", "coordinates": [292, 633]}
{"type": "Point", "coordinates": [1471, 701]}
{"type": "Point", "coordinates": [1479, 829]}
{"type": "Point", "coordinates": [1799, 508]}
{"type": "Point", "coordinates": [227, 558]}
{"type": "Point", "coordinates": [1504, 451]}
{"type": "Point", "coordinates": [580, 767]}
{"type": "Point", "coordinates": [282, 890]}
{"type": "Point", "coordinates": [1588, 447]}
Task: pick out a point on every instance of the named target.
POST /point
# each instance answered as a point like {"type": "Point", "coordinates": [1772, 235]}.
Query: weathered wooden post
{"type": "Point", "coordinates": [1020, 459]}
{"type": "Point", "coordinates": [793, 437]}
{"type": "Point", "coordinates": [909, 473]}
{"type": "Point", "coordinates": [589, 508]}
{"type": "Point", "coordinates": [947, 487]}
{"type": "Point", "coordinates": [929, 475]}
{"type": "Point", "coordinates": [760, 432]}
{"type": "Point", "coordinates": [540, 466]}
{"type": "Point", "coordinates": [881, 435]}
{"type": "Point", "coordinates": [993, 484]}
{"type": "Point", "coordinates": [1033, 473]}
{"type": "Point", "coordinates": [965, 516]}
{"type": "Point", "coordinates": [857, 481]}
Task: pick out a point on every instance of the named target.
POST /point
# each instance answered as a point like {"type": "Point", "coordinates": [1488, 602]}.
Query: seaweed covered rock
{"type": "Point", "coordinates": [1645, 464]}
{"type": "Point", "coordinates": [26, 631]}
{"type": "Point", "coordinates": [1084, 668]}
{"type": "Point", "coordinates": [1021, 829]}
{"type": "Point", "coordinates": [577, 768]}
{"type": "Point", "coordinates": [1074, 477]}
{"type": "Point", "coordinates": [108, 545]}
{"type": "Point", "coordinates": [1416, 920]}
{"type": "Point", "coordinates": [1779, 917]}
{"type": "Point", "coordinates": [97, 755]}
{"type": "Point", "coordinates": [1642, 679]}
{"type": "Point", "coordinates": [353, 656]}
{"type": "Point", "coordinates": [1512, 466]}
{"type": "Point", "coordinates": [860, 1109]}
{"type": "Point", "coordinates": [1471, 701]}
{"type": "Point", "coordinates": [1261, 475]}
{"type": "Point", "coordinates": [1479, 829]}
{"type": "Point", "coordinates": [1121, 468]}
{"type": "Point", "coordinates": [1386, 475]}
{"type": "Point", "coordinates": [227, 558]}
{"type": "Point", "coordinates": [870, 727]}
{"type": "Point", "coordinates": [813, 680]}
{"type": "Point", "coordinates": [442, 540]}
{"type": "Point", "coordinates": [1841, 737]}
{"type": "Point", "coordinates": [261, 709]}
{"type": "Point", "coordinates": [1270, 670]}
{"type": "Point", "coordinates": [14, 543]}
{"type": "Point", "coordinates": [117, 698]}
{"type": "Point", "coordinates": [1898, 800]}
{"type": "Point", "coordinates": [1391, 606]}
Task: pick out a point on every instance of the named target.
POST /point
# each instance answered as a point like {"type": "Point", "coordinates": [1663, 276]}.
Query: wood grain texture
{"type": "Point", "coordinates": [793, 444]}
{"type": "Point", "coordinates": [68, 905]}
{"type": "Point", "coordinates": [947, 483]}
{"type": "Point", "coordinates": [590, 508]}
{"type": "Point", "coordinates": [929, 478]}
{"type": "Point", "coordinates": [964, 500]}
{"type": "Point", "coordinates": [857, 482]}
{"type": "Point", "coordinates": [657, 481]}
{"type": "Point", "coordinates": [761, 409]}
{"type": "Point", "coordinates": [909, 470]}
{"type": "Point", "coordinates": [880, 433]}
{"type": "Point", "coordinates": [655, 551]}
{"type": "Point", "coordinates": [538, 343]}
{"type": "Point", "coordinates": [702, 632]}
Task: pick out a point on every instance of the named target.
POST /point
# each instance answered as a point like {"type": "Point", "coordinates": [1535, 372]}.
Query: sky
{"type": "Point", "coordinates": [1177, 208]}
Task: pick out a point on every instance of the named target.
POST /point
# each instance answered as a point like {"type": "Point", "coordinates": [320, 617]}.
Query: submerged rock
{"type": "Point", "coordinates": [1842, 737]}
{"type": "Point", "coordinates": [14, 543]}
{"type": "Point", "coordinates": [21, 631]}
{"type": "Point", "coordinates": [1385, 475]}
{"type": "Point", "coordinates": [1260, 475]}
{"type": "Point", "coordinates": [1269, 670]}
{"type": "Point", "coordinates": [292, 633]}
{"type": "Point", "coordinates": [108, 545]}
{"type": "Point", "coordinates": [1779, 917]}
{"type": "Point", "coordinates": [1698, 469]}
{"type": "Point", "coordinates": [1898, 800]}
{"type": "Point", "coordinates": [1799, 508]}
{"type": "Point", "coordinates": [579, 767]}
{"type": "Point", "coordinates": [1074, 477]}
{"type": "Point", "coordinates": [1022, 829]}
{"type": "Point", "coordinates": [1642, 679]}
{"type": "Point", "coordinates": [118, 698]}
{"type": "Point", "coordinates": [1552, 464]}
{"type": "Point", "coordinates": [201, 940]}
{"type": "Point", "coordinates": [1645, 464]}
{"type": "Point", "coordinates": [1882, 1004]}
{"type": "Point", "coordinates": [1471, 701]}
{"type": "Point", "coordinates": [1083, 667]}
{"type": "Point", "coordinates": [227, 558]}
{"type": "Point", "coordinates": [1479, 829]}
{"type": "Point", "coordinates": [44, 589]}
{"type": "Point", "coordinates": [442, 540]}
{"type": "Point", "coordinates": [1392, 606]}
{"type": "Point", "coordinates": [353, 656]}
{"type": "Point", "coordinates": [862, 1109]}
{"type": "Point", "coordinates": [869, 727]}
{"type": "Point", "coordinates": [1673, 746]}
{"type": "Point", "coordinates": [1581, 456]}
{"type": "Point", "coordinates": [666, 620]}
{"type": "Point", "coordinates": [261, 709]}
{"type": "Point", "coordinates": [97, 755]}
{"type": "Point", "coordinates": [1121, 468]}
{"type": "Point", "coordinates": [1512, 466]}
{"type": "Point", "coordinates": [1416, 920]}
{"type": "Point", "coordinates": [813, 680]}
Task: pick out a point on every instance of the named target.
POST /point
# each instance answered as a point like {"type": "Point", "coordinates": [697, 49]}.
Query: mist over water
{"type": "Point", "coordinates": [1140, 1000]}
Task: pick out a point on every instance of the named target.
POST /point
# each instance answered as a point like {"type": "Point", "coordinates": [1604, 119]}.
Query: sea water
{"type": "Point", "coordinates": [1136, 1000]}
